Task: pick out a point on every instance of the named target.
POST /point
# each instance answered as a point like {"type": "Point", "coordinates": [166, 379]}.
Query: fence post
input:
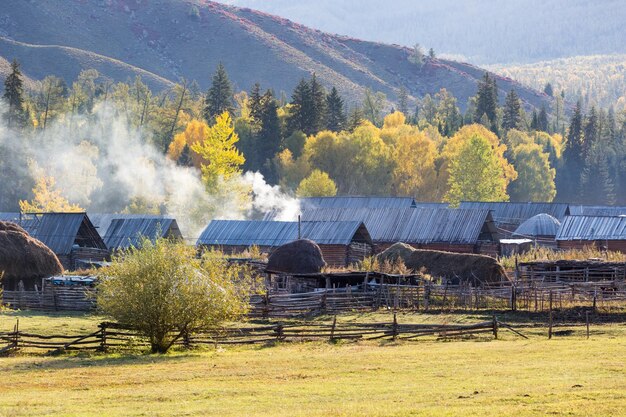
{"type": "Point", "coordinates": [395, 327]}
{"type": "Point", "coordinates": [17, 334]}
{"type": "Point", "coordinates": [266, 304]}
{"type": "Point", "coordinates": [103, 337]}
{"type": "Point", "coordinates": [279, 332]}
{"type": "Point", "coordinates": [495, 327]}
{"type": "Point", "coordinates": [332, 329]}
{"type": "Point", "coordinates": [587, 322]}
{"type": "Point", "coordinates": [550, 323]}
{"type": "Point", "coordinates": [513, 298]}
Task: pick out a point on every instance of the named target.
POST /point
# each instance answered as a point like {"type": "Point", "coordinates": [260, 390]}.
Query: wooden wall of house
{"type": "Point", "coordinates": [612, 245]}
{"type": "Point", "coordinates": [88, 255]}
{"type": "Point", "coordinates": [336, 256]}
{"type": "Point", "coordinates": [357, 251]}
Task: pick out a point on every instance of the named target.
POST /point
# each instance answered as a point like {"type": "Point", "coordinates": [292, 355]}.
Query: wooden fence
{"type": "Point", "coordinates": [112, 336]}
{"type": "Point", "coordinates": [426, 296]}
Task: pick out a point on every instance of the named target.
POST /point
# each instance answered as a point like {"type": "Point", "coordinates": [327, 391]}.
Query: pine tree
{"type": "Point", "coordinates": [355, 118]}
{"type": "Point", "coordinates": [16, 116]}
{"type": "Point", "coordinates": [301, 108]}
{"type": "Point", "coordinates": [512, 118]}
{"type": "Point", "coordinates": [185, 157]}
{"type": "Point", "coordinates": [336, 119]}
{"type": "Point", "coordinates": [219, 98]}
{"type": "Point", "coordinates": [534, 122]}
{"type": "Point", "coordinates": [318, 100]}
{"type": "Point", "coordinates": [487, 101]}
{"type": "Point", "coordinates": [548, 90]}
{"type": "Point", "coordinates": [403, 101]}
{"type": "Point", "coordinates": [542, 119]}
{"type": "Point", "coordinates": [569, 176]}
{"type": "Point", "coordinates": [431, 53]}
{"type": "Point", "coordinates": [269, 139]}
{"type": "Point", "coordinates": [255, 103]}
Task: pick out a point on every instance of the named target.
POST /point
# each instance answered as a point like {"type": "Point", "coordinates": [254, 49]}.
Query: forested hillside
{"type": "Point", "coordinates": [598, 80]}
{"type": "Point", "coordinates": [169, 40]}
{"type": "Point", "coordinates": [491, 31]}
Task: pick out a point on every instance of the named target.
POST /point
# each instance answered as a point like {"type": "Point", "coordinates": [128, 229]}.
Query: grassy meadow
{"type": "Point", "coordinates": [567, 375]}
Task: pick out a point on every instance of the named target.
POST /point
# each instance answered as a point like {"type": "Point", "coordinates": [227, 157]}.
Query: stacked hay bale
{"type": "Point", "coordinates": [453, 267]}
{"type": "Point", "coordinates": [24, 258]}
{"type": "Point", "coordinates": [301, 256]}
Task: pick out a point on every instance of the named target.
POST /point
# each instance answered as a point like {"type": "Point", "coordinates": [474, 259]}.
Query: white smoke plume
{"type": "Point", "coordinates": [102, 164]}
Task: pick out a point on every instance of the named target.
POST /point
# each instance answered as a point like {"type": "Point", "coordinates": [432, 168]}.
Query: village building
{"type": "Point", "coordinates": [509, 216]}
{"type": "Point", "coordinates": [71, 236]}
{"type": "Point", "coordinates": [342, 243]}
{"type": "Point", "coordinates": [541, 229]}
{"type": "Point", "coordinates": [454, 230]}
{"type": "Point", "coordinates": [601, 232]}
{"type": "Point", "coordinates": [123, 233]}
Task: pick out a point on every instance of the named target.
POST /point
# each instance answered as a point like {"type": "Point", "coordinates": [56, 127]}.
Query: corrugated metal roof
{"type": "Point", "coordinates": [540, 225]}
{"type": "Point", "coordinates": [272, 233]}
{"type": "Point", "coordinates": [124, 233]}
{"type": "Point", "coordinates": [357, 202]}
{"type": "Point", "coordinates": [411, 225]}
{"type": "Point", "coordinates": [10, 217]}
{"type": "Point", "coordinates": [59, 231]}
{"type": "Point", "coordinates": [517, 213]}
{"type": "Point", "coordinates": [593, 228]}
{"type": "Point", "coordinates": [102, 221]}
{"type": "Point", "coordinates": [596, 210]}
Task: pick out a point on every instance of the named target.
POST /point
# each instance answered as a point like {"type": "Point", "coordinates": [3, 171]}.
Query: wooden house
{"type": "Point", "coordinates": [342, 243]}
{"type": "Point", "coordinates": [509, 216]}
{"type": "Point", "coordinates": [454, 230]}
{"type": "Point", "coordinates": [123, 233]}
{"type": "Point", "coordinates": [71, 236]}
{"type": "Point", "coordinates": [602, 232]}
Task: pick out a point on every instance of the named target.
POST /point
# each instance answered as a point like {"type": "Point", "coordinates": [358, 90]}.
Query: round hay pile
{"type": "Point", "coordinates": [22, 257]}
{"type": "Point", "coordinates": [454, 267]}
{"type": "Point", "coordinates": [298, 257]}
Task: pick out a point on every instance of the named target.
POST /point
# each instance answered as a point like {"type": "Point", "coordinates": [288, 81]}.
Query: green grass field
{"type": "Point", "coordinates": [510, 376]}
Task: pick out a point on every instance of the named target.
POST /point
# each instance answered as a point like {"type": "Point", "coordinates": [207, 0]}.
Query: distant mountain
{"type": "Point", "coordinates": [484, 31]}
{"type": "Point", "coordinates": [597, 80]}
{"type": "Point", "coordinates": [166, 40]}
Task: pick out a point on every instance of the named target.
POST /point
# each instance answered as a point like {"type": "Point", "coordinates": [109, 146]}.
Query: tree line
{"type": "Point", "coordinates": [313, 143]}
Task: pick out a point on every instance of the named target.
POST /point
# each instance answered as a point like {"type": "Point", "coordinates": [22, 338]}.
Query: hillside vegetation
{"type": "Point", "coordinates": [172, 39]}
{"type": "Point", "coordinates": [486, 31]}
{"type": "Point", "coordinates": [598, 80]}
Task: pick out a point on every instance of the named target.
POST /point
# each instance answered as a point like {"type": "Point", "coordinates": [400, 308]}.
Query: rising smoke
{"type": "Point", "coordinates": [102, 164]}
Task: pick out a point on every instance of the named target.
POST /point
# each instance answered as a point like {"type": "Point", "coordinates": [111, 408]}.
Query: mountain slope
{"type": "Point", "coordinates": [175, 39]}
{"type": "Point", "coordinates": [485, 31]}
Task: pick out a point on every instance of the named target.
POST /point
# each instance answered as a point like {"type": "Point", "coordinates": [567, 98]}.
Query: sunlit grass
{"type": "Point", "coordinates": [510, 376]}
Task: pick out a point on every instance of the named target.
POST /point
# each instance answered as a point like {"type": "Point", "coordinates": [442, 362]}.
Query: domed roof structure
{"type": "Point", "coordinates": [540, 225]}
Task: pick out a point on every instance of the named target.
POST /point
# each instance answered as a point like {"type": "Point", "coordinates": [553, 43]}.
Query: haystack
{"type": "Point", "coordinates": [298, 257]}
{"type": "Point", "coordinates": [454, 267]}
{"type": "Point", "coordinates": [22, 257]}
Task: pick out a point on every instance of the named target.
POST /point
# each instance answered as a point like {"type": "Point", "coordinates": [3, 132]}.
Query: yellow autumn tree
{"type": "Point", "coordinates": [454, 147]}
{"type": "Point", "coordinates": [414, 172]}
{"type": "Point", "coordinates": [47, 198]}
{"type": "Point", "coordinates": [318, 184]}
{"type": "Point", "coordinates": [217, 148]}
{"type": "Point", "coordinates": [476, 173]}
{"type": "Point", "coordinates": [195, 131]}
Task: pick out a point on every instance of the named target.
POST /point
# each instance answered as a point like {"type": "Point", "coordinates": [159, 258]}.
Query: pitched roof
{"type": "Point", "coordinates": [593, 228]}
{"type": "Point", "coordinates": [596, 210]}
{"type": "Point", "coordinates": [413, 225]}
{"type": "Point", "coordinates": [274, 233]}
{"type": "Point", "coordinates": [59, 231]}
{"type": "Point", "coordinates": [540, 225]}
{"type": "Point", "coordinates": [124, 233]}
{"type": "Point", "coordinates": [357, 202]}
{"type": "Point", "coordinates": [102, 221]}
{"type": "Point", "coordinates": [517, 213]}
